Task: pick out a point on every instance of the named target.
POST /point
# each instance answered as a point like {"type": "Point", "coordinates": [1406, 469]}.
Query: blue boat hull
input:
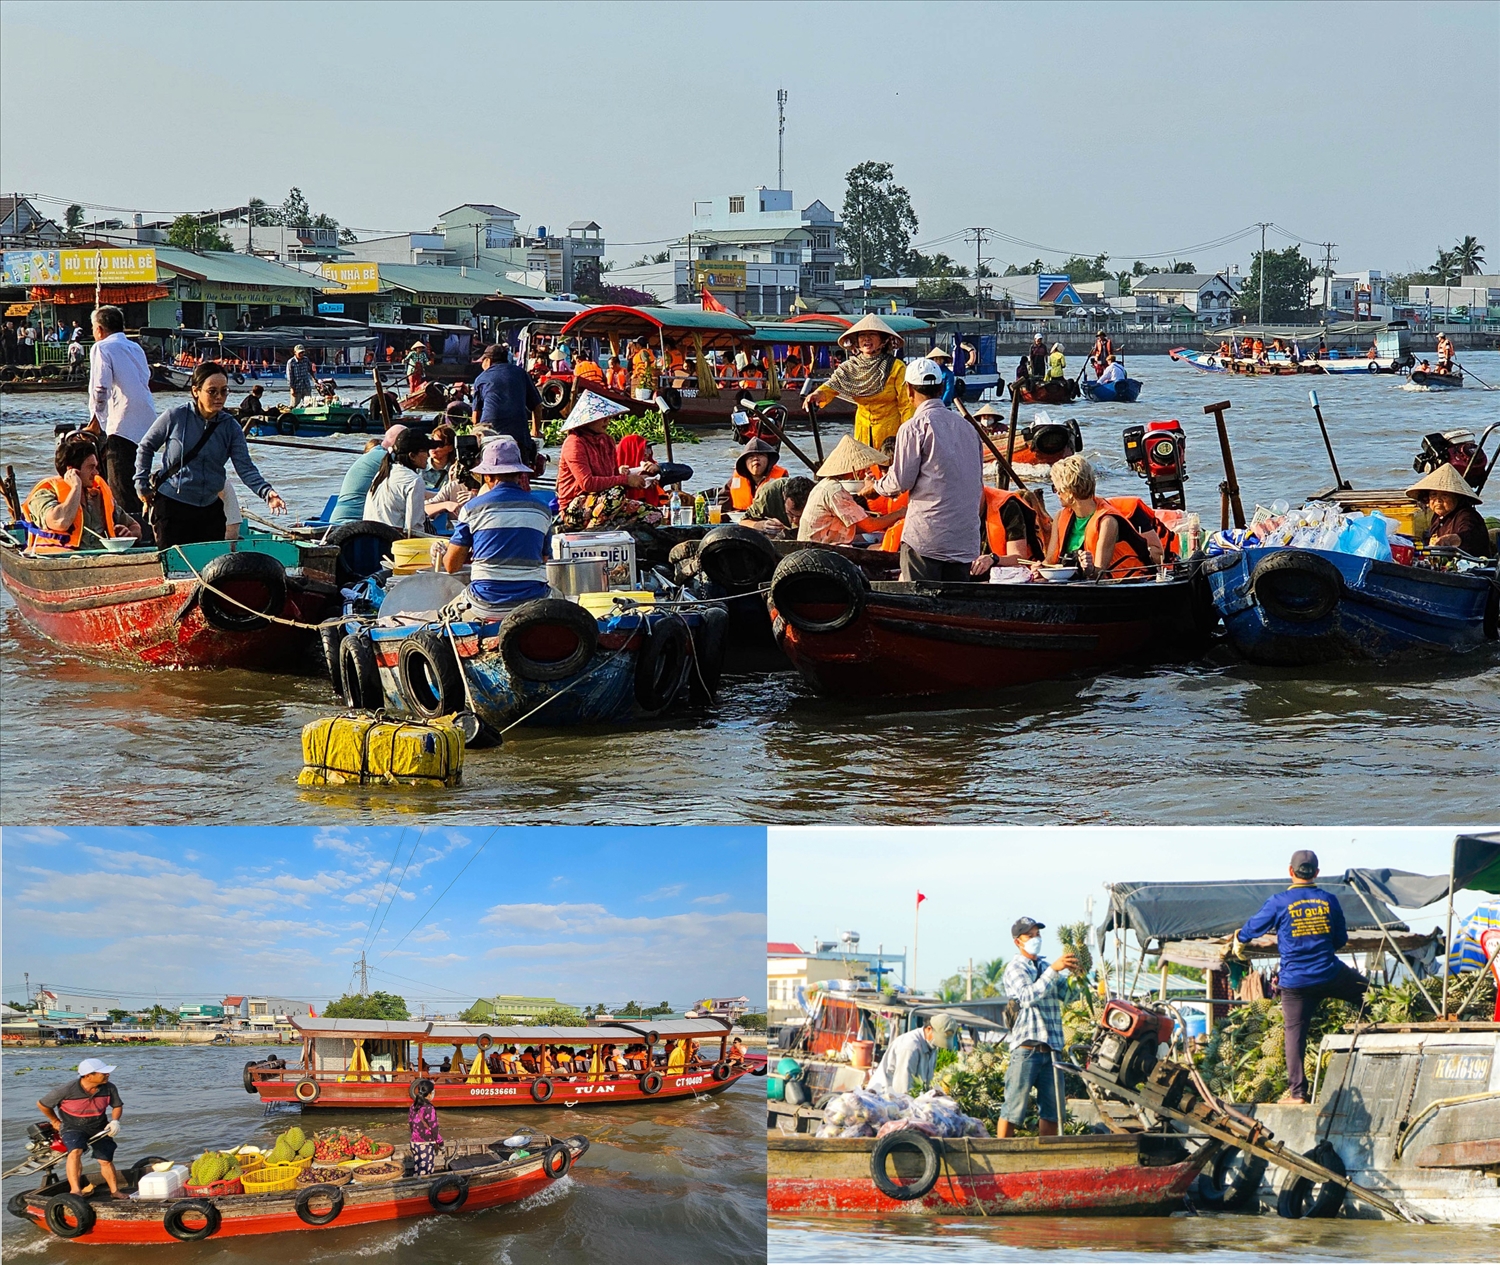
{"type": "Point", "coordinates": [1123, 392]}
{"type": "Point", "coordinates": [1285, 606]}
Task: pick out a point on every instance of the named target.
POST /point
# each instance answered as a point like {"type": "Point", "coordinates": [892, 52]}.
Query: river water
{"type": "Point", "coordinates": [664, 1182]}
{"type": "Point", "coordinates": [1218, 741]}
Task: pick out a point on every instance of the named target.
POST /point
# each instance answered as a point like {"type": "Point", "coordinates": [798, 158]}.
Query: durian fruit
{"type": "Point", "coordinates": [208, 1168]}
{"type": "Point", "coordinates": [281, 1153]}
{"type": "Point", "coordinates": [295, 1138]}
{"type": "Point", "coordinates": [307, 1150]}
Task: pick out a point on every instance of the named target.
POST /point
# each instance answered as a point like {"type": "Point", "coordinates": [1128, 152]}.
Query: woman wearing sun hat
{"type": "Point", "coordinates": [872, 379]}
{"type": "Point", "coordinates": [588, 462]}
{"type": "Point", "coordinates": [832, 516]}
{"type": "Point", "coordinates": [1455, 522]}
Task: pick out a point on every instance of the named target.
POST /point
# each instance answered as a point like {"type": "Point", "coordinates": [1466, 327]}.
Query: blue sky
{"type": "Point", "coordinates": [1129, 128]}
{"type": "Point", "coordinates": [978, 881]}
{"type": "Point", "coordinates": [585, 915]}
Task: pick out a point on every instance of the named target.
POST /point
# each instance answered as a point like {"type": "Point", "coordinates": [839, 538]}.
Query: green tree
{"type": "Point", "coordinates": [347, 236]}
{"type": "Point", "coordinates": [1288, 273]}
{"type": "Point", "coordinates": [1034, 268]}
{"type": "Point", "coordinates": [938, 265]}
{"type": "Point", "coordinates": [1445, 269]}
{"type": "Point", "coordinates": [941, 290]}
{"type": "Point", "coordinates": [188, 232]}
{"type": "Point", "coordinates": [1124, 279]}
{"type": "Point", "coordinates": [376, 1005]}
{"type": "Point", "coordinates": [73, 218]}
{"type": "Point", "coordinates": [261, 215]}
{"type": "Point", "coordinates": [160, 1014]}
{"type": "Point", "coordinates": [1081, 268]}
{"type": "Point", "coordinates": [1138, 269]}
{"type": "Point", "coordinates": [879, 222]}
{"type": "Point", "coordinates": [753, 1023]}
{"type": "Point", "coordinates": [1468, 254]}
{"type": "Point", "coordinates": [295, 213]}
{"type": "Point", "coordinates": [1183, 266]}
{"type": "Point", "coordinates": [119, 1016]}
{"type": "Point", "coordinates": [559, 1017]}
{"type": "Point", "coordinates": [661, 1008]}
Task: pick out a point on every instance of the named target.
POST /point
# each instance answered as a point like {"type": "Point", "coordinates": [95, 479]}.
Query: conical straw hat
{"type": "Point", "coordinates": [871, 323]}
{"type": "Point", "coordinates": [590, 407]}
{"type": "Point", "coordinates": [1444, 479]}
{"type": "Point", "coordinates": [850, 457]}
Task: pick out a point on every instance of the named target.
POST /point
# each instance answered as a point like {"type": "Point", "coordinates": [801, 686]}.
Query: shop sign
{"type": "Point", "coordinates": [217, 292]}
{"type": "Point", "coordinates": [330, 309]}
{"type": "Point", "coordinates": [109, 265]}
{"type": "Point", "coordinates": [361, 278]}
{"type": "Point", "coordinates": [719, 274]}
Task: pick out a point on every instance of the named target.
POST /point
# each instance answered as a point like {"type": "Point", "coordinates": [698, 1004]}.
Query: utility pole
{"type": "Point", "coordinates": [979, 238]}
{"type": "Point", "coordinates": [969, 981]}
{"type": "Point", "coordinates": [1261, 316]}
{"type": "Point", "coordinates": [780, 133]}
{"type": "Point", "coordinates": [364, 976]}
{"type": "Point", "coordinates": [1328, 280]}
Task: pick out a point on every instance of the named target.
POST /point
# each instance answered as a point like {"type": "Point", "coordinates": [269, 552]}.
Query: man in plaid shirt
{"type": "Point", "coordinates": [1037, 989]}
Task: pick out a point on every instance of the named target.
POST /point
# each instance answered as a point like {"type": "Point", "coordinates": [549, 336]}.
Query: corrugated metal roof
{"type": "Point", "coordinates": [230, 268]}
{"type": "Point", "coordinates": [734, 236]}
{"type": "Point", "coordinates": [439, 279]}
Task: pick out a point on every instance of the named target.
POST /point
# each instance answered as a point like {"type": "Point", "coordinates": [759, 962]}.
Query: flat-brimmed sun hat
{"type": "Point", "coordinates": [502, 456]}
{"type": "Point", "coordinates": [1444, 479]}
{"type": "Point", "coordinates": [851, 457]}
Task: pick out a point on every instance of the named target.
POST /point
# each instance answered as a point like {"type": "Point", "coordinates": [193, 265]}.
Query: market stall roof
{"type": "Point", "coordinates": [617, 1032]}
{"type": "Point", "coordinates": [1163, 912]}
{"type": "Point", "coordinates": [228, 267]}
{"type": "Point", "coordinates": [458, 282]}
{"type": "Point", "coordinates": [748, 236]}
{"type": "Point", "coordinates": [719, 330]}
{"type": "Point", "coordinates": [1476, 867]}
{"type": "Point", "coordinates": [280, 336]}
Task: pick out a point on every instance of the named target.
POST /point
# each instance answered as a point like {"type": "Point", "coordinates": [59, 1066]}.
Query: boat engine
{"type": "Point", "coordinates": [1130, 1041]}
{"type": "Point", "coordinates": [1157, 452]}
{"type": "Point", "coordinates": [43, 1136]}
{"type": "Point", "coordinates": [1457, 449]}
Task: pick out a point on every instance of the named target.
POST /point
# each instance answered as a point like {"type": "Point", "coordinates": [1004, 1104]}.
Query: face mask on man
{"type": "Point", "coordinates": [1032, 945]}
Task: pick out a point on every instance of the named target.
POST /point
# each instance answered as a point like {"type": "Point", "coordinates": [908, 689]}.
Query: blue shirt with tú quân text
{"type": "Point", "coordinates": [1310, 930]}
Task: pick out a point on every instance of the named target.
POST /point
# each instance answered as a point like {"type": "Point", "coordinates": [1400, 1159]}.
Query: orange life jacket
{"type": "Point", "coordinates": [588, 370]}
{"type": "Point", "coordinates": [1131, 556]}
{"type": "Point", "coordinates": [742, 491]}
{"type": "Point", "coordinates": [48, 541]}
{"type": "Point", "coordinates": [891, 541]}
{"type": "Point", "coordinates": [994, 525]}
{"type": "Point", "coordinates": [1144, 519]}
{"type": "Point", "coordinates": [618, 379]}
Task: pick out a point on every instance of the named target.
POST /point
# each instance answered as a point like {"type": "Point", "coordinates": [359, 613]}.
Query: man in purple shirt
{"type": "Point", "coordinates": [938, 461]}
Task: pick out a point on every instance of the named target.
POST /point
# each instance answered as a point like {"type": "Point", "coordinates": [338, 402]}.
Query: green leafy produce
{"type": "Point", "coordinates": [648, 426]}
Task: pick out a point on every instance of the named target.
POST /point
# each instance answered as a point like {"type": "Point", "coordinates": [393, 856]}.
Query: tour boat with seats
{"type": "Point", "coordinates": [183, 607]}
{"type": "Point", "coordinates": [369, 1063]}
{"type": "Point", "coordinates": [854, 638]}
{"type": "Point", "coordinates": [1125, 391]}
{"type": "Point", "coordinates": [471, 1176]}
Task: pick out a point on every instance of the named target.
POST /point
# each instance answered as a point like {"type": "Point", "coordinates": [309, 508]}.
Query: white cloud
{"type": "Point", "coordinates": [666, 893]}
{"type": "Point", "coordinates": [718, 899]}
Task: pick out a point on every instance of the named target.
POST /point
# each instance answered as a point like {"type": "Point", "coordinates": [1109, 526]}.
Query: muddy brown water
{"type": "Point", "coordinates": [670, 1181]}
{"type": "Point", "coordinates": [1216, 741]}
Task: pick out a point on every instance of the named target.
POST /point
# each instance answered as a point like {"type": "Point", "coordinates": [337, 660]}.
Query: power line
{"type": "Point", "coordinates": [441, 894]}
{"type": "Point", "coordinates": [394, 854]}
{"type": "Point", "coordinates": [390, 904]}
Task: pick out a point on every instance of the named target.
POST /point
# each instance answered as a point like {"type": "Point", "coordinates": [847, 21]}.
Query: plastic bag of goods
{"type": "Point", "coordinates": [945, 1116]}
{"type": "Point", "coordinates": [861, 1107]}
{"type": "Point", "coordinates": [1367, 536]}
{"type": "Point", "coordinates": [362, 750]}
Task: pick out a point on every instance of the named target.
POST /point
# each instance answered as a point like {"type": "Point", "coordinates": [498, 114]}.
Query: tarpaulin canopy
{"type": "Point", "coordinates": [1202, 910]}
{"type": "Point", "coordinates": [1476, 868]}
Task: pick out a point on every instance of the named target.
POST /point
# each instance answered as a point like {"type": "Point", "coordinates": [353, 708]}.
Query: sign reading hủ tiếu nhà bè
{"type": "Point", "coordinates": [86, 265]}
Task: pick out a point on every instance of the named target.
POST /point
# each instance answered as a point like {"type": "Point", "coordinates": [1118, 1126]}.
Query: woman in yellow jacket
{"type": "Point", "coordinates": [872, 379]}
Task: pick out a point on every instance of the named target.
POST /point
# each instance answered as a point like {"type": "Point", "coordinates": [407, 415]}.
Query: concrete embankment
{"type": "Point", "coordinates": [1013, 344]}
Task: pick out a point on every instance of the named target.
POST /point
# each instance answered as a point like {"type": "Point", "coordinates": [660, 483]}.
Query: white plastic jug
{"type": "Point", "coordinates": [166, 1185]}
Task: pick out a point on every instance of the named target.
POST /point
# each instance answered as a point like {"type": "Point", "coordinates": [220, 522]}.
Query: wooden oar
{"type": "Point", "coordinates": [781, 437]}
{"type": "Point", "coordinates": [1007, 471]}
{"type": "Point", "coordinates": [1338, 479]}
{"type": "Point", "coordinates": [1229, 490]}
{"type": "Point", "coordinates": [292, 443]}
{"type": "Point", "coordinates": [812, 416]}
{"type": "Point", "coordinates": [1015, 413]}
{"type": "Point", "coordinates": [1475, 376]}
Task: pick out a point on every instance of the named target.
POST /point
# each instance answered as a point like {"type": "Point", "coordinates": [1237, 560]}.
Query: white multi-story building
{"type": "Point", "coordinates": [1208, 295]}
{"type": "Point", "coordinates": [790, 969]}
{"type": "Point", "coordinates": [1343, 292]}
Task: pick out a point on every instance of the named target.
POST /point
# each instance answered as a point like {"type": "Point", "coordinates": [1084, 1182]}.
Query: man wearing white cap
{"type": "Point", "coordinates": [938, 461]}
{"type": "Point", "coordinates": [350, 506]}
{"type": "Point", "coordinates": [79, 1110]}
{"type": "Point", "coordinates": [504, 531]}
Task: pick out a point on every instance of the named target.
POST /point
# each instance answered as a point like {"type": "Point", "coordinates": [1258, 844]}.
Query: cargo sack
{"type": "Point", "coordinates": [366, 750]}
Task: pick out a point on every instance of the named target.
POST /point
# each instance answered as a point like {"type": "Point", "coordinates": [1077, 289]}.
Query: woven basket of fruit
{"type": "Point", "coordinates": [377, 1173]}
{"type": "Point", "coordinates": [211, 1190]}
{"type": "Point", "coordinates": [316, 1175]}
{"type": "Point", "coordinates": [271, 1178]}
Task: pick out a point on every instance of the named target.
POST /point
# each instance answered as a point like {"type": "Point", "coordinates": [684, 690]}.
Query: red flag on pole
{"type": "Point", "coordinates": [711, 304]}
{"type": "Point", "coordinates": [920, 898]}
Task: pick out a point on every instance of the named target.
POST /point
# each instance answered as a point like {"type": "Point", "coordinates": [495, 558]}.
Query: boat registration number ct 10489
{"type": "Point", "coordinates": [493, 1092]}
{"type": "Point", "coordinates": [689, 1080]}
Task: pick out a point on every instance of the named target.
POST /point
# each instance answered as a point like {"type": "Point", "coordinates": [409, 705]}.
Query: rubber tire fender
{"type": "Point", "coordinates": [17, 1204]}
{"type": "Point", "coordinates": [459, 1182]}
{"type": "Point", "coordinates": [1229, 1189]}
{"type": "Point", "coordinates": [361, 545]}
{"type": "Point", "coordinates": [82, 1212]}
{"type": "Point", "coordinates": [309, 1084]}
{"type": "Point", "coordinates": [359, 675]}
{"type": "Point", "coordinates": [661, 664]}
{"type": "Point", "coordinates": [249, 567]}
{"type": "Point", "coordinates": [911, 1140]}
{"type": "Point", "coordinates": [709, 640]}
{"type": "Point", "coordinates": [309, 1193]}
{"type": "Point", "coordinates": [1322, 584]}
{"type": "Point", "coordinates": [544, 611]}
{"type": "Point", "coordinates": [556, 1161]}
{"type": "Point", "coordinates": [736, 558]}
{"type": "Point", "coordinates": [357, 423]}
{"type": "Point", "coordinates": [581, 1142]}
{"type": "Point", "coordinates": [286, 424]}
{"type": "Point", "coordinates": [757, 1069]}
{"type": "Point", "coordinates": [132, 1175]}
{"type": "Point", "coordinates": [823, 577]}
{"type": "Point", "coordinates": [249, 1080]}
{"type": "Point", "coordinates": [554, 394]}
{"type": "Point", "coordinates": [650, 1083]}
{"type": "Point", "coordinates": [417, 1084]}
{"type": "Point", "coordinates": [541, 1090]}
{"type": "Point", "coordinates": [439, 689]}
{"type": "Point", "coordinates": [172, 1220]}
{"type": "Point", "coordinates": [331, 639]}
{"type": "Point", "coordinates": [722, 1071]}
{"type": "Point", "coordinates": [652, 1037]}
{"type": "Point", "coordinates": [1302, 1197]}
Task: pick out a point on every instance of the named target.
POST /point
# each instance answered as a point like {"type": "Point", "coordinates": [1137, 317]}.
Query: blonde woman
{"type": "Point", "coordinates": [1092, 530]}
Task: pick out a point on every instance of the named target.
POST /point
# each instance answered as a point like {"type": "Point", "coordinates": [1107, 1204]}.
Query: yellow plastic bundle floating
{"type": "Point", "coordinates": [366, 750]}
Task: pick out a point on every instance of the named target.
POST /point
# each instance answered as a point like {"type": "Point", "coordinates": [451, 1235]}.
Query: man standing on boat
{"type": "Point", "coordinates": [299, 376]}
{"type": "Point", "coordinates": [912, 1056]}
{"type": "Point", "coordinates": [507, 401]}
{"type": "Point", "coordinates": [120, 405]}
{"type": "Point", "coordinates": [1035, 1033]}
{"type": "Point", "coordinates": [938, 461]}
{"type": "Point", "coordinates": [1310, 931]}
{"type": "Point", "coordinates": [78, 1111]}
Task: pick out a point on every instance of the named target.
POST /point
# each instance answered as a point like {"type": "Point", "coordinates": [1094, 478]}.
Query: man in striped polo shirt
{"type": "Point", "coordinates": [504, 530]}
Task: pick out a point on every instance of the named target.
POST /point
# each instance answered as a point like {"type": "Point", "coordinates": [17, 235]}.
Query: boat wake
{"type": "Point", "coordinates": [394, 1242]}
{"type": "Point", "coordinates": [547, 1195]}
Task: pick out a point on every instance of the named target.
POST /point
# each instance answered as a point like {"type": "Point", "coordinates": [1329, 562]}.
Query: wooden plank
{"type": "Point", "coordinates": [1484, 1153]}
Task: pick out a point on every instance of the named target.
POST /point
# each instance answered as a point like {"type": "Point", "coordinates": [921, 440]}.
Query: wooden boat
{"type": "Point", "coordinates": [1121, 1174]}
{"type": "Point", "coordinates": [165, 609]}
{"type": "Point", "coordinates": [551, 662]}
{"type": "Point", "coordinates": [1298, 606]}
{"type": "Point", "coordinates": [1055, 391]}
{"type": "Point", "coordinates": [399, 1053]}
{"type": "Point", "coordinates": [170, 377]}
{"type": "Point", "coordinates": [36, 379]}
{"type": "Point", "coordinates": [1203, 361]}
{"type": "Point", "coordinates": [1437, 380]}
{"type": "Point", "coordinates": [483, 1177]}
{"type": "Point", "coordinates": [1125, 391]}
{"type": "Point", "coordinates": [849, 637]}
{"type": "Point", "coordinates": [320, 418]}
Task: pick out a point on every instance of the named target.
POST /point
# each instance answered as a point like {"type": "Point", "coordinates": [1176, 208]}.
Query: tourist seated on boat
{"type": "Point", "coordinates": [397, 495]}
{"type": "Point", "coordinates": [1160, 539]}
{"type": "Point", "coordinates": [755, 466]}
{"type": "Point", "coordinates": [1374, 352]}
{"type": "Point", "coordinates": [350, 504]}
{"type": "Point", "coordinates": [1114, 371]}
{"type": "Point", "coordinates": [632, 452]}
{"type": "Point", "coordinates": [588, 463]}
{"type": "Point", "coordinates": [1422, 367]}
{"type": "Point", "coordinates": [1057, 364]}
{"type": "Point", "coordinates": [1090, 529]}
{"type": "Point", "coordinates": [426, 1139]}
{"type": "Point", "coordinates": [793, 370]}
{"type": "Point", "coordinates": [615, 378]}
{"type": "Point", "coordinates": [251, 406]}
{"type": "Point", "coordinates": [778, 505]}
{"type": "Point", "coordinates": [528, 1060]}
{"type": "Point", "coordinates": [832, 516]}
{"type": "Point", "coordinates": [737, 1051]}
{"type": "Point", "coordinates": [503, 536]}
{"type": "Point", "coordinates": [871, 378]}
{"type": "Point", "coordinates": [446, 1065]}
{"type": "Point", "coordinates": [1012, 530]}
{"type": "Point", "coordinates": [1226, 351]}
{"type": "Point", "coordinates": [643, 372]}
{"type": "Point", "coordinates": [585, 369]}
{"type": "Point", "coordinates": [676, 1057]}
{"type": "Point", "coordinates": [75, 508]}
{"type": "Point", "coordinates": [197, 440]}
{"type": "Point", "coordinates": [1450, 500]}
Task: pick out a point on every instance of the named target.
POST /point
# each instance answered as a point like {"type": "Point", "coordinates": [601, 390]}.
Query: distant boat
{"type": "Point", "coordinates": [1205, 361]}
{"type": "Point", "coordinates": [1052, 391]}
{"type": "Point", "coordinates": [170, 378]}
{"type": "Point", "coordinates": [1124, 391]}
{"type": "Point", "coordinates": [1436, 380]}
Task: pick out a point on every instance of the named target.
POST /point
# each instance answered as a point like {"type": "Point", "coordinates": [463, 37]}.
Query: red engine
{"type": "Point", "coordinates": [1130, 1041]}
{"type": "Point", "coordinates": [1157, 452]}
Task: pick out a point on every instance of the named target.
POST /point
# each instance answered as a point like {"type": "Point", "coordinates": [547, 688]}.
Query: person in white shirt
{"type": "Point", "coordinates": [1114, 371]}
{"type": "Point", "coordinates": [912, 1056]}
{"type": "Point", "coordinates": [398, 497]}
{"type": "Point", "coordinates": [120, 404]}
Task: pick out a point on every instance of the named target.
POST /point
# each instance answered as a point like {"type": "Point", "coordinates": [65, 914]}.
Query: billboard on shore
{"type": "Point", "coordinates": [83, 265]}
{"type": "Point", "coordinates": [719, 274]}
{"type": "Point", "coordinates": [358, 278]}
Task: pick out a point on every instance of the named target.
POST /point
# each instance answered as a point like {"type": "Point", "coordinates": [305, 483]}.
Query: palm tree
{"type": "Point", "coordinates": [1446, 265]}
{"type": "Point", "coordinates": [1468, 255]}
